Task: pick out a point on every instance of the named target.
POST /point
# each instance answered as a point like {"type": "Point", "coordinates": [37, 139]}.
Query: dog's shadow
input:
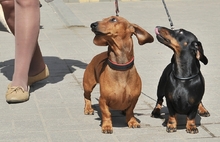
{"type": "Point", "coordinates": [58, 69]}
{"type": "Point", "coordinates": [181, 119]}
{"type": "Point", "coordinates": [118, 117]}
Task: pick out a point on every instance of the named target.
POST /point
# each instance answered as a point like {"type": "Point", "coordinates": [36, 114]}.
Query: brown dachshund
{"type": "Point", "coordinates": [182, 82]}
{"type": "Point", "coordinates": [114, 70]}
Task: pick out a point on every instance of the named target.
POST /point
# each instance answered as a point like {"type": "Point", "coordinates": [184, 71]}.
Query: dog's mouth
{"type": "Point", "coordinates": [99, 33]}
{"type": "Point", "coordinates": [160, 37]}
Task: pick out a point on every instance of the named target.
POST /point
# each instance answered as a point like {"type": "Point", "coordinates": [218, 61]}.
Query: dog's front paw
{"type": "Point", "coordinates": [192, 130]}
{"type": "Point", "coordinates": [133, 123]}
{"type": "Point", "coordinates": [171, 125]}
{"type": "Point", "coordinates": [107, 127]}
{"type": "Point", "coordinates": [191, 126]}
{"type": "Point", "coordinates": [89, 111]}
{"type": "Point", "coordinates": [171, 129]}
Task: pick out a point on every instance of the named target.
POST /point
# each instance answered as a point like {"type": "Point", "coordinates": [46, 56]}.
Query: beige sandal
{"type": "Point", "coordinates": [42, 75]}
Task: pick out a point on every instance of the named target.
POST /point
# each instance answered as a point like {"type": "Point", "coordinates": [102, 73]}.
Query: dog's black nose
{"type": "Point", "coordinates": [94, 25]}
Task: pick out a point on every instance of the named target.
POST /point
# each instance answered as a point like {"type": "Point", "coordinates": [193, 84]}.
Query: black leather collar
{"type": "Point", "coordinates": [184, 78]}
{"type": "Point", "coordinates": [121, 67]}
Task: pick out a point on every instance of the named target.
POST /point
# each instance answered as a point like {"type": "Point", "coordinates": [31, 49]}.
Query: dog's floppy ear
{"type": "Point", "coordinates": [199, 52]}
{"type": "Point", "coordinates": [142, 35]}
{"type": "Point", "coordinates": [100, 41]}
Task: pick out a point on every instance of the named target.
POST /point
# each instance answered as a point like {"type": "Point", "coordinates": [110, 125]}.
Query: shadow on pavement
{"type": "Point", "coordinates": [118, 116]}
{"type": "Point", "coordinates": [58, 69]}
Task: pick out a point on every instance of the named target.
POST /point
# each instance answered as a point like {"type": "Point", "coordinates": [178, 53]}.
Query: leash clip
{"type": "Point", "coordinates": [168, 15]}
{"type": "Point", "coordinates": [116, 7]}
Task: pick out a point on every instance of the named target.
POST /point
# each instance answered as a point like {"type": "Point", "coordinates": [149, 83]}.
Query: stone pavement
{"type": "Point", "coordinates": [54, 112]}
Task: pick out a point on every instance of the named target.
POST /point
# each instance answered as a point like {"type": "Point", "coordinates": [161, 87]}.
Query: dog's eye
{"type": "Point", "coordinates": [180, 31]}
{"type": "Point", "coordinates": [113, 20]}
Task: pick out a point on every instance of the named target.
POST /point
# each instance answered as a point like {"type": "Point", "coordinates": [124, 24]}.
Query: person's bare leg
{"type": "Point", "coordinates": [28, 58]}
{"type": "Point", "coordinates": [27, 19]}
{"type": "Point", "coordinates": [37, 63]}
{"type": "Point", "coordinates": [23, 19]}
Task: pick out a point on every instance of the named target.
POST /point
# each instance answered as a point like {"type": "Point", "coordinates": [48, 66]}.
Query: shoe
{"type": "Point", "coordinates": [42, 75]}
{"type": "Point", "coordinates": [16, 94]}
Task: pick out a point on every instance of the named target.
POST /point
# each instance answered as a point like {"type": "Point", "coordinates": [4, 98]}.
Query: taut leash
{"type": "Point", "coordinates": [169, 18]}
{"type": "Point", "coordinates": [116, 7]}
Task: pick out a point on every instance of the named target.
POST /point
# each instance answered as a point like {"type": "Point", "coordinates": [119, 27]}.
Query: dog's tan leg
{"type": "Point", "coordinates": [107, 126]}
{"type": "Point", "coordinates": [88, 87]}
{"type": "Point", "coordinates": [88, 110]}
{"type": "Point", "coordinates": [202, 111]}
{"type": "Point", "coordinates": [130, 119]}
{"type": "Point", "coordinates": [89, 82]}
{"type": "Point", "coordinates": [171, 124]}
{"type": "Point", "coordinates": [191, 126]}
{"type": "Point", "coordinates": [106, 117]}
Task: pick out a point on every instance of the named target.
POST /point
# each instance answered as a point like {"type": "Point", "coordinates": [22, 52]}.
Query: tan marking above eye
{"type": "Point", "coordinates": [185, 43]}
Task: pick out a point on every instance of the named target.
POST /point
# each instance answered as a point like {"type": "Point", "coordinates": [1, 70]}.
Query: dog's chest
{"type": "Point", "coordinates": [183, 99]}
{"type": "Point", "coordinates": [119, 91]}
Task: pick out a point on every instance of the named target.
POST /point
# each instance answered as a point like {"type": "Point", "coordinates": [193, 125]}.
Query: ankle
{"type": "Point", "coordinates": [36, 70]}
{"type": "Point", "coordinates": [21, 84]}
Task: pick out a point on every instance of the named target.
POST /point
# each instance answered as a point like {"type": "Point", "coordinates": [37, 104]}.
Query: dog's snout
{"type": "Point", "coordinates": [94, 25]}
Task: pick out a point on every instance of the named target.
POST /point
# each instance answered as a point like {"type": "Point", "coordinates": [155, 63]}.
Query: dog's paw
{"type": "Point", "coordinates": [204, 114]}
{"type": "Point", "coordinates": [107, 131]}
{"type": "Point", "coordinates": [171, 129]}
{"type": "Point", "coordinates": [192, 130]}
{"type": "Point", "coordinates": [191, 127]}
{"type": "Point", "coordinates": [202, 111]}
{"type": "Point", "coordinates": [107, 127]}
{"type": "Point", "coordinates": [133, 123]}
{"type": "Point", "coordinates": [156, 113]}
{"type": "Point", "coordinates": [171, 125]}
{"type": "Point", "coordinates": [89, 111]}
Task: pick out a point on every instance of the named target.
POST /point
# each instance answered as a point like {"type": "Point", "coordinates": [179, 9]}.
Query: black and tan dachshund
{"type": "Point", "coordinates": [181, 82]}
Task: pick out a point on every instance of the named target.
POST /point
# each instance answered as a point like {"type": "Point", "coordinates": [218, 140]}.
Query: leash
{"type": "Point", "coordinates": [116, 7]}
{"type": "Point", "coordinates": [168, 15]}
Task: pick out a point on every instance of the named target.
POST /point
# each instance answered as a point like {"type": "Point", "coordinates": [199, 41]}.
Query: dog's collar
{"type": "Point", "coordinates": [121, 67]}
{"type": "Point", "coordinates": [184, 78]}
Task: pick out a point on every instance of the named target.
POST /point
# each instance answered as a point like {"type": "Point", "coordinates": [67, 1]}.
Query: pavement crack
{"type": "Point", "coordinates": [210, 133]}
